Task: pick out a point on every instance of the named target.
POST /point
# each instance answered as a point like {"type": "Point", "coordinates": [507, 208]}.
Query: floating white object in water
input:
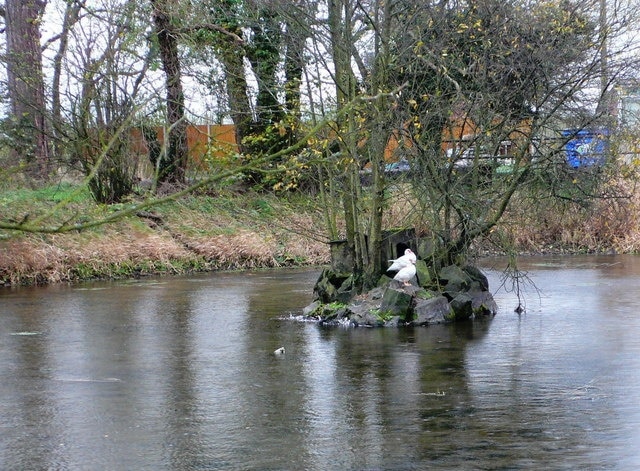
{"type": "Point", "coordinates": [88, 380]}
{"type": "Point", "coordinates": [279, 351]}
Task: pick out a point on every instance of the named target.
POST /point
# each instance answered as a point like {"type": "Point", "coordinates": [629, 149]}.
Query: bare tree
{"type": "Point", "coordinates": [364, 97]}
{"type": "Point", "coordinates": [476, 93]}
{"type": "Point", "coordinates": [501, 81]}
{"type": "Point", "coordinates": [71, 16]}
{"type": "Point", "coordinates": [103, 94]}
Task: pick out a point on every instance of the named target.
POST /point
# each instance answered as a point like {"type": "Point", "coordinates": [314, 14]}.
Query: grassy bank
{"type": "Point", "coordinates": [194, 233]}
{"type": "Point", "coordinates": [249, 230]}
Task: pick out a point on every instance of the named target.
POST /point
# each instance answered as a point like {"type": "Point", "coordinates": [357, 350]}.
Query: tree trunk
{"type": "Point", "coordinates": [264, 59]}
{"type": "Point", "coordinates": [362, 141]}
{"type": "Point", "coordinates": [239, 106]}
{"type": "Point", "coordinates": [173, 166]}
{"type": "Point", "coordinates": [293, 67]}
{"type": "Point", "coordinates": [345, 89]}
{"type": "Point", "coordinates": [71, 16]}
{"type": "Point", "coordinates": [25, 83]}
{"type": "Point", "coordinates": [379, 132]}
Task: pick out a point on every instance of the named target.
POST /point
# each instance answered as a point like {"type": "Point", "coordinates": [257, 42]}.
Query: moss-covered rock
{"type": "Point", "coordinates": [334, 286]}
{"type": "Point", "coordinates": [397, 302]}
{"type": "Point", "coordinates": [423, 274]}
{"type": "Point", "coordinates": [462, 307]}
{"type": "Point", "coordinates": [482, 303]}
{"type": "Point", "coordinates": [434, 310]}
{"type": "Point", "coordinates": [453, 279]}
{"type": "Point", "coordinates": [464, 295]}
{"type": "Point", "coordinates": [479, 281]}
{"type": "Point", "coordinates": [328, 313]}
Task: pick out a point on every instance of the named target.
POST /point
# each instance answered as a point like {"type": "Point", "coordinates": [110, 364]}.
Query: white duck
{"type": "Point", "coordinates": [406, 273]}
{"type": "Point", "coordinates": [409, 258]}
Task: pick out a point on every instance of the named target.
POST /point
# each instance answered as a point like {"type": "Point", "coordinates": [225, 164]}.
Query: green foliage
{"type": "Point", "coordinates": [280, 174]}
{"type": "Point", "coordinates": [335, 306]}
{"type": "Point", "coordinates": [104, 156]}
{"type": "Point", "coordinates": [263, 207]}
{"type": "Point", "coordinates": [381, 315]}
{"type": "Point", "coordinates": [135, 269]}
{"type": "Point", "coordinates": [51, 193]}
{"type": "Point", "coordinates": [63, 201]}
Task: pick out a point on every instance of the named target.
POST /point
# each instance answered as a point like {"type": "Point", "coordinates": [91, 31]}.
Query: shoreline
{"type": "Point", "coordinates": [202, 234]}
{"type": "Point", "coordinates": [38, 261]}
{"type": "Point", "coordinates": [118, 255]}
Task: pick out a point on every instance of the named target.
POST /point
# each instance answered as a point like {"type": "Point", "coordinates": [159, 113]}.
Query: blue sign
{"type": "Point", "coordinates": [586, 147]}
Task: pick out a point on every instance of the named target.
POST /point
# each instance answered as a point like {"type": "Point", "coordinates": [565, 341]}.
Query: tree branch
{"type": "Point", "coordinates": [212, 27]}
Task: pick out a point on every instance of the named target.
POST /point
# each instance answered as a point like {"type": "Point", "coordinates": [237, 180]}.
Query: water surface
{"type": "Point", "coordinates": [180, 374]}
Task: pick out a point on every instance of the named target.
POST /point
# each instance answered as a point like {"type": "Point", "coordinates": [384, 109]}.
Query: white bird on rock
{"type": "Point", "coordinates": [406, 273]}
{"type": "Point", "coordinates": [409, 258]}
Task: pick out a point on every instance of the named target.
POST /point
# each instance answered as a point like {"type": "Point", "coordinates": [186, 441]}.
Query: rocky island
{"type": "Point", "coordinates": [453, 293]}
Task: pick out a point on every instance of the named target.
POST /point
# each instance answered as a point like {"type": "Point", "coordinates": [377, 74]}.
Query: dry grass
{"type": "Point", "coordinates": [186, 240]}
{"type": "Point", "coordinates": [608, 224]}
{"type": "Point", "coordinates": [257, 232]}
{"type": "Point", "coordinates": [31, 261]}
{"type": "Point", "coordinates": [243, 249]}
{"type": "Point", "coordinates": [52, 259]}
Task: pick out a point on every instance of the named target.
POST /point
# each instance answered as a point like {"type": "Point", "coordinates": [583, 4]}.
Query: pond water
{"type": "Point", "coordinates": [180, 374]}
